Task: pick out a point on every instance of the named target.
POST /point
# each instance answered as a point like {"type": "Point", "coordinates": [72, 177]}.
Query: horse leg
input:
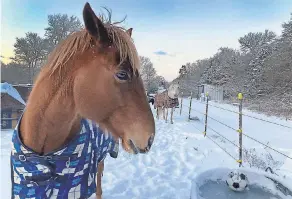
{"type": "Point", "coordinates": [171, 115]}
{"type": "Point", "coordinates": [160, 112]}
{"type": "Point", "coordinates": [98, 180]}
{"type": "Point", "coordinates": [166, 114]}
{"type": "Point", "coordinates": [157, 113]}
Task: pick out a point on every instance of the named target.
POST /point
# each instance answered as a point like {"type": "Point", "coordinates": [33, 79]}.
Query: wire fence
{"type": "Point", "coordinates": [218, 133]}
{"type": "Point", "coordinates": [246, 115]}
{"type": "Point", "coordinates": [239, 131]}
{"type": "Point", "coordinates": [222, 148]}
{"type": "Point", "coordinates": [216, 143]}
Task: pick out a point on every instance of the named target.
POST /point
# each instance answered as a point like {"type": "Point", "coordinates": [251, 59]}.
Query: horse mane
{"type": "Point", "coordinates": [79, 42]}
{"type": "Point", "coordinates": [121, 40]}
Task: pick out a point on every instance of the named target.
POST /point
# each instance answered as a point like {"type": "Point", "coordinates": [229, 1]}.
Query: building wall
{"type": "Point", "coordinates": [8, 102]}
{"type": "Point", "coordinates": [9, 118]}
{"type": "Point", "coordinates": [11, 109]}
{"type": "Point", "coordinates": [5, 119]}
{"type": "Point", "coordinates": [23, 90]}
{"type": "Point", "coordinates": [215, 92]}
{"type": "Point", "coordinates": [16, 117]}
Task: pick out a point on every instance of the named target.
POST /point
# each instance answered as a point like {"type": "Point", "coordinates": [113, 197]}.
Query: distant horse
{"type": "Point", "coordinates": [165, 100]}
{"type": "Point", "coordinates": [88, 95]}
{"type": "Point", "coordinates": [151, 101]}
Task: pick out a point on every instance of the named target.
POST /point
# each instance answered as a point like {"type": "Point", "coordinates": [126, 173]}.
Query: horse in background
{"type": "Point", "coordinates": [88, 95]}
{"type": "Point", "coordinates": [165, 100]}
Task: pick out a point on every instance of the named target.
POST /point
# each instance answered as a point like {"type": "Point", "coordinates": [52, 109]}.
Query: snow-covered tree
{"type": "Point", "coordinates": [148, 72]}
{"type": "Point", "coordinates": [15, 73]}
{"type": "Point", "coordinates": [30, 51]}
{"type": "Point", "coordinates": [59, 27]}
{"type": "Point", "coordinates": [262, 70]}
{"type": "Point", "coordinates": [257, 47]}
{"type": "Point", "coordinates": [183, 71]}
{"type": "Point", "coordinates": [252, 42]}
{"type": "Point", "coordinates": [287, 30]}
{"type": "Point", "coordinates": [278, 72]}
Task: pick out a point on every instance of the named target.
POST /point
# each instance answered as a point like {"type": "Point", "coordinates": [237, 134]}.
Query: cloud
{"type": "Point", "coordinates": [160, 52]}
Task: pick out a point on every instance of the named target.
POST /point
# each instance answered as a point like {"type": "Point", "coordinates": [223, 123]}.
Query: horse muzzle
{"type": "Point", "coordinates": [137, 150]}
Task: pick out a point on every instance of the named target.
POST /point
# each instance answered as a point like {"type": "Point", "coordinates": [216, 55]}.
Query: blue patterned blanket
{"type": "Point", "coordinates": [69, 172]}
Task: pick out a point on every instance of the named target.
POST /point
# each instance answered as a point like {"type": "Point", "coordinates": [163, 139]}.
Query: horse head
{"type": "Point", "coordinates": [173, 90]}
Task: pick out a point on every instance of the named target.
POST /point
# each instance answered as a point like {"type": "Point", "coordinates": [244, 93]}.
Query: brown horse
{"type": "Point", "coordinates": [93, 74]}
{"type": "Point", "coordinates": [165, 100]}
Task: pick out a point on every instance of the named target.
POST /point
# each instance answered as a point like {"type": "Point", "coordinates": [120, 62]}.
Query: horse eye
{"type": "Point", "coordinates": [122, 75]}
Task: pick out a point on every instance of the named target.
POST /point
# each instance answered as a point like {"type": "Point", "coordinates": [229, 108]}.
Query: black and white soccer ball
{"type": "Point", "coordinates": [237, 181]}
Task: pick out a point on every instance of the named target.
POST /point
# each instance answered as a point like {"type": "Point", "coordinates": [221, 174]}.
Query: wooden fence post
{"type": "Point", "coordinates": [190, 108]}
{"type": "Point", "coordinates": [240, 97]}
{"type": "Point", "coordinates": [206, 114]}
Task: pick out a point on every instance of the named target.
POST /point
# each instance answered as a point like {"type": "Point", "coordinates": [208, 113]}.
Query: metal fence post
{"type": "Point", "coordinates": [240, 97]}
{"type": "Point", "coordinates": [206, 114]}
{"type": "Point", "coordinates": [190, 108]}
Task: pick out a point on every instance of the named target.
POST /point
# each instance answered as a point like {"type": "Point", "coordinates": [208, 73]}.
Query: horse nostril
{"type": "Point", "coordinates": [150, 141]}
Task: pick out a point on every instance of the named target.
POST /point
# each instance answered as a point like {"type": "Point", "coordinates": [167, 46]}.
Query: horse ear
{"type": "Point", "coordinates": [129, 31]}
{"type": "Point", "coordinates": [94, 25]}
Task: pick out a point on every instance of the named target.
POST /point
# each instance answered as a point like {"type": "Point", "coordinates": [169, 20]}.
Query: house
{"type": "Point", "coordinates": [12, 106]}
{"type": "Point", "coordinates": [24, 90]}
{"type": "Point", "coordinates": [215, 92]}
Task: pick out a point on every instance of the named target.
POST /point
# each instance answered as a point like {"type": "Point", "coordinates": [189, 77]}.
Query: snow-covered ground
{"type": "Point", "coordinates": [180, 152]}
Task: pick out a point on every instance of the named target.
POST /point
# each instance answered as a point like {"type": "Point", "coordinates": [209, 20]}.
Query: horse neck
{"type": "Point", "coordinates": [50, 119]}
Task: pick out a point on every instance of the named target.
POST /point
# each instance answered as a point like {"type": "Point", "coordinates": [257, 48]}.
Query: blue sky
{"type": "Point", "coordinates": [170, 33]}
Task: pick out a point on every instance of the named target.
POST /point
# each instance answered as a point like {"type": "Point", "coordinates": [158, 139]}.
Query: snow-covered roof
{"type": "Point", "coordinates": [8, 88]}
{"type": "Point", "coordinates": [23, 85]}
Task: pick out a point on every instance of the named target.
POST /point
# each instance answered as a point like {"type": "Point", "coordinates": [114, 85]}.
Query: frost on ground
{"type": "Point", "coordinates": [180, 152]}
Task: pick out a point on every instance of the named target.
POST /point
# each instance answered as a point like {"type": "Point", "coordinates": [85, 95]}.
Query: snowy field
{"type": "Point", "coordinates": [180, 152]}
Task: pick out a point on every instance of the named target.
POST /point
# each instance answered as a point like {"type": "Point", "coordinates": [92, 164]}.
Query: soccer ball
{"type": "Point", "coordinates": [237, 181]}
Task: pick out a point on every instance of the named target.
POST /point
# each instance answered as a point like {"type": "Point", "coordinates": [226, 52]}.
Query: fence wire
{"type": "Point", "coordinates": [215, 141]}
{"type": "Point", "coordinates": [194, 110]}
{"type": "Point", "coordinates": [252, 138]}
{"type": "Point", "coordinates": [266, 146]}
{"type": "Point", "coordinates": [222, 123]}
{"type": "Point", "coordinates": [223, 137]}
{"type": "Point", "coordinates": [220, 135]}
{"type": "Point", "coordinates": [246, 115]}
{"type": "Point", "coordinates": [221, 148]}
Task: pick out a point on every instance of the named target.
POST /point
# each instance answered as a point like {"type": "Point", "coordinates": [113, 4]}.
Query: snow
{"type": "Point", "coordinates": [180, 153]}
{"type": "Point", "coordinates": [259, 186]}
{"type": "Point", "coordinates": [8, 88]}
